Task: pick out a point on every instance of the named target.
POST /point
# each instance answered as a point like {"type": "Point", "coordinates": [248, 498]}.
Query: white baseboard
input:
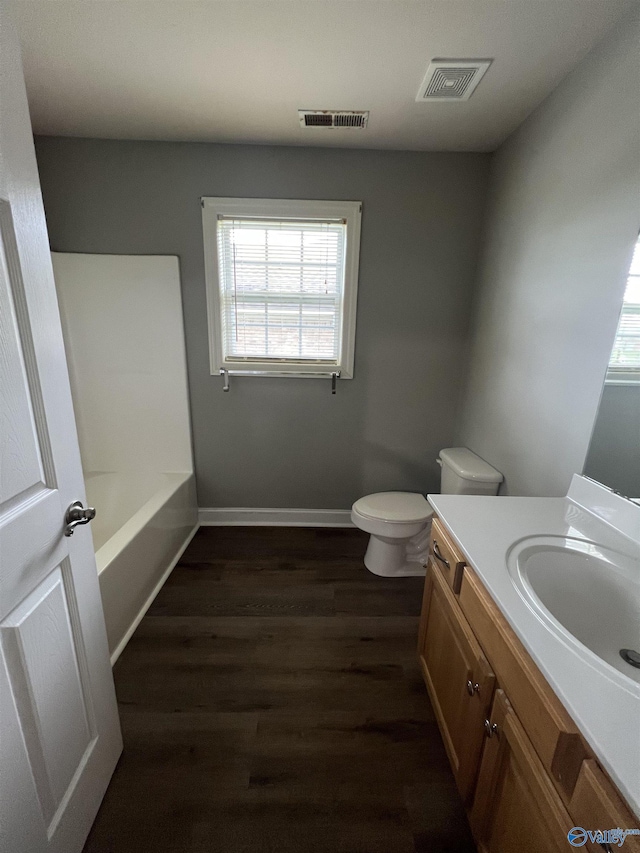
{"type": "Point", "coordinates": [263, 517]}
{"type": "Point", "coordinates": [123, 642]}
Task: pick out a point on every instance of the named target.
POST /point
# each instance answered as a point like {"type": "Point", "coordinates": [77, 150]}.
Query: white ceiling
{"type": "Point", "coordinates": [237, 71]}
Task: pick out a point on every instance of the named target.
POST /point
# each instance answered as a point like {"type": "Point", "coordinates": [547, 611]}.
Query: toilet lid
{"type": "Point", "coordinates": [394, 506]}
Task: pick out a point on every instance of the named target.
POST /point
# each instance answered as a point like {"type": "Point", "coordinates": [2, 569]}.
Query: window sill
{"type": "Point", "coordinates": [287, 374]}
{"type": "Point", "coordinates": [622, 376]}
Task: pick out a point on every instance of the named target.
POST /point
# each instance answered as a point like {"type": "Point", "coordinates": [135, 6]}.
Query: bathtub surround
{"type": "Point", "coordinates": [562, 223]}
{"type": "Point", "coordinates": [122, 321]}
{"type": "Point", "coordinates": [288, 442]}
{"type": "Point", "coordinates": [122, 324]}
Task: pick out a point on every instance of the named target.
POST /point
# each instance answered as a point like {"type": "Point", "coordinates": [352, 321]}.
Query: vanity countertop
{"type": "Point", "coordinates": [604, 703]}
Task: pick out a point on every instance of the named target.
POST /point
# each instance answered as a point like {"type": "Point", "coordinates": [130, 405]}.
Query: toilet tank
{"type": "Point", "coordinates": [464, 473]}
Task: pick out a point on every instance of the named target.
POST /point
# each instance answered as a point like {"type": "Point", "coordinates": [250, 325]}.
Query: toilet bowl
{"type": "Point", "coordinates": [399, 523]}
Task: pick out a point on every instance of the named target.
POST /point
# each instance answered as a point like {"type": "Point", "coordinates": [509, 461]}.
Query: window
{"type": "Point", "coordinates": [624, 365]}
{"type": "Point", "coordinates": [282, 282]}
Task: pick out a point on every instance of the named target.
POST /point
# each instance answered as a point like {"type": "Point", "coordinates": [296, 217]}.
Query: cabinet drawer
{"type": "Point", "coordinates": [553, 733]}
{"type": "Point", "coordinates": [445, 555]}
{"type": "Point", "coordinates": [596, 805]}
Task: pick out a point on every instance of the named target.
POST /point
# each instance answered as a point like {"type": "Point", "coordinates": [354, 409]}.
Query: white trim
{"type": "Point", "coordinates": [231, 516]}
{"type": "Point", "coordinates": [141, 613]}
{"type": "Point", "coordinates": [617, 376]}
{"type": "Point", "coordinates": [350, 211]}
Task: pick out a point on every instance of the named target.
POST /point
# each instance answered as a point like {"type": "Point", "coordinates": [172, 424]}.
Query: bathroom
{"type": "Point", "coordinates": [269, 694]}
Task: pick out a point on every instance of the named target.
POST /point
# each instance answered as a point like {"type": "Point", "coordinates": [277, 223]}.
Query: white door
{"type": "Point", "coordinates": [59, 729]}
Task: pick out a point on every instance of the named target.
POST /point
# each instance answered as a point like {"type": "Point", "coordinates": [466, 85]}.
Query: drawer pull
{"type": "Point", "coordinates": [472, 688]}
{"type": "Point", "coordinates": [490, 729]}
{"type": "Point", "coordinates": [438, 555]}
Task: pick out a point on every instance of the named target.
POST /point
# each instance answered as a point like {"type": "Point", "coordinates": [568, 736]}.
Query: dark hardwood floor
{"type": "Point", "coordinates": [271, 703]}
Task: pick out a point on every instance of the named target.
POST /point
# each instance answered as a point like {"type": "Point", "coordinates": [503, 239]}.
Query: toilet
{"type": "Point", "coordinates": [399, 523]}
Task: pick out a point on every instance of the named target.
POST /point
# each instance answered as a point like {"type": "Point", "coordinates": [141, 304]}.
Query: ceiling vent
{"type": "Point", "coordinates": [452, 79]}
{"type": "Point", "coordinates": [333, 118]}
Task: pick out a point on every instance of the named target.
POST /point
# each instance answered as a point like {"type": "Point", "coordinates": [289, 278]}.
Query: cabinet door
{"type": "Point", "coordinates": [458, 678]}
{"type": "Point", "coordinates": [516, 807]}
{"type": "Point", "coordinates": [596, 805]}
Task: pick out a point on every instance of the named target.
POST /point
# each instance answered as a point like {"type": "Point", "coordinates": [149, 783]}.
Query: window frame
{"type": "Point", "coordinates": [616, 374]}
{"type": "Point", "coordinates": [350, 211]}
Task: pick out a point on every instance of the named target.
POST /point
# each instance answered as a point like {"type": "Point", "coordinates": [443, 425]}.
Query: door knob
{"type": "Point", "coordinates": [76, 514]}
{"type": "Point", "coordinates": [472, 688]}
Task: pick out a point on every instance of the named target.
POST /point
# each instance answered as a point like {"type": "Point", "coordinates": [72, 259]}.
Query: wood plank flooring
{"type": "Point", "coordinates": [271, 703]}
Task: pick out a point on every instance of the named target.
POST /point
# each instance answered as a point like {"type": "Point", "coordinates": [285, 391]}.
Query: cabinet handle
{"type": "Point", "coordinates": [490, 729]}
{"type": "Point", "coordinates": [438, 555]}
{"type": "Point", "coordinates": [607, 847]}
{"type": "Point", "coordinates": [472, 688]}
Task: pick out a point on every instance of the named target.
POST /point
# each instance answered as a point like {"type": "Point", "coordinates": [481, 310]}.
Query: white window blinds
{"type": "Point", "coordinates": [281, 289]}
{"type": "Point", "coordinates": [624, 365]}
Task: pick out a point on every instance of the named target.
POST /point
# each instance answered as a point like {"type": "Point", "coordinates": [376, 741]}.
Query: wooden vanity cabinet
{"type": "Point", "coordinates": [524, 771]}
{"type": "Point", "coordinates": [515, 807]}
{"type": "Point", "coordinates": [554, 735]}
{"type": "Point", "coordinates": [458, 678]}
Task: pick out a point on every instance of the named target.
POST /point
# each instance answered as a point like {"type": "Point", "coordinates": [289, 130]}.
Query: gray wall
{"type": "Point", "coordinates": [563, 218]}
{"type": "Point", "coordinates": [614, 452]}
{"type": "Point", "coordinates": [288, 442]}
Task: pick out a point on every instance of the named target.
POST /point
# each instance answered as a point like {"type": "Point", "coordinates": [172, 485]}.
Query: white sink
{"type": "Point", "coordinates": [587, 594]}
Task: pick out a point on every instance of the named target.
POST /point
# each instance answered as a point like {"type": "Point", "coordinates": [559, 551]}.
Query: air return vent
{"type": "Point", "coordinates": [333, 118]}
{"type": "Point", "coordinates": [452, 79]}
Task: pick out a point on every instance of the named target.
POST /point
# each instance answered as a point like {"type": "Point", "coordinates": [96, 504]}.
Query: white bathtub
{"type": "Point", "coordinates": [143, 524]}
